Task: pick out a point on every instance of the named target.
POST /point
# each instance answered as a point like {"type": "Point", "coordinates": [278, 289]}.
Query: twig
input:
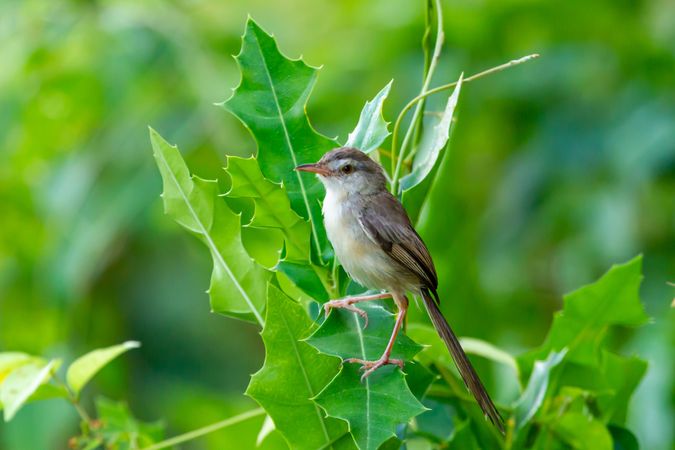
{"type": "Point", "coordinates": [194, 434]}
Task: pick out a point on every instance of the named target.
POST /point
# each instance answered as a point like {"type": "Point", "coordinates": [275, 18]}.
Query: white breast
{"type": "Point", "coordinates": [363, 260]}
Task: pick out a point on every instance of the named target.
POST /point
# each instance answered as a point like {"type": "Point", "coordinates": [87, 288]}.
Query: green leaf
{"type": "Point", "coordinates": [432, 143]}
{"type": "Point", "coordinates": [463, 438]}
{"type": "Point", "coordinates": [588, 313]}
{"type": "Point", "coordinates": [120, 429]}
{"type": "Point", "coordinates": [372, 129]}
{"type": "Point", "coordinates": [22, 382]}
{"type": "Point", "coordinates": [583, 432]}
{"type": "Point", "coordinates": [342, 334]}
{"type": "Point", "coordinates": [272, 207]}
{"type": "Point", "coordinates": [11, 360]}
{"type": "Point", "coordinates": [486, 350]}
{"type": "Point", "coordinates": [293, 374]}
{"type": "Point", "coordinates": [622, 376]}
{"type": "Point", "coordinates": [273, 211]}
{"type": "Point", "coordinates": [533, 396]}
{"type": "Point", "coordinates": [237, 284]}
{"type": "Point", "coordinates": [85, 367]}
{"type": "Point", "coordinates": [373, 408]}
{"type": "Point", "coordinates": [270, 101]}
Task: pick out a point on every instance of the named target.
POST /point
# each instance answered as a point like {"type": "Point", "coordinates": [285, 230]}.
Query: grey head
{"type": "Point", "coordinates": [349, 170]}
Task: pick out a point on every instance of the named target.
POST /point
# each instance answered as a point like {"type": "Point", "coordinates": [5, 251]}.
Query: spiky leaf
{"type": "Point", "coordinates": [237, 283]}
{"type": "Point", "coordinates": [293, 374]}
{"type": "Point", "coordinates": [270, 100]}
{"type": "Point", "coordinates": [371, 130]}
{"type": "Point", "coordinates": [383, 398]}
{"type": "Point", "coordinates": [374, 407]}
{"type": "Point", "coordinates": [342, 334]}
{"type": "Point", "coordinates": [588, 313]}
{"type": "Point", "coordinates": [273, 211]}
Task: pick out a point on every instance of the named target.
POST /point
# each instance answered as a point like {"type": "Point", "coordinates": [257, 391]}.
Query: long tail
{"type": "Point", "coordinates": [463, 364]}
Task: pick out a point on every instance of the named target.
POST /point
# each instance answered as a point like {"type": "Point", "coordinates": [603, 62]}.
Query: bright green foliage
{"type": "Point", "coordinates": [85, 367]}
{"type": "Point", "coordinates": [293, 374]}
{"type": "Point", "coordinates": [272, 207]}
{"type": "Point", "coordinates": [120, 430]}
{"type": "Point", "coordinates": [533, 396]}
{"type": "Point", "coordinates": [273, 211]}
{"type": "Point", "coordinates": [342, 334]}
{"type": "Point", "coordinates": [270, 101]}
{"type": "Point", "coordinates": [373, 408]}
{"type": "Point", "coordinates": [433, 142]}
{"type": "Point", "coordinates": [582, 432]}
{"type": "Point", "coordinates": [237, 284]}
{"type": "Point", "coordinates": [372, 129]}
{"type": "Point", "coordinates": [588, 313]}
{"type": "Point", "coordinates": [22, 382]}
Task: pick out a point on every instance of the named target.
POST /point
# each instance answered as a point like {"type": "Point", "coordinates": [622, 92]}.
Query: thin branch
{"type": "Point", "coordinates": [423, 95]}
{"type": "Point", "coordinates": [438, 45]}
{"type": "Point", "coordinates": [194, 434]}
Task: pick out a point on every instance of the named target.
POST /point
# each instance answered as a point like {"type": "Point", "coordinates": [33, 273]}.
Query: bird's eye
{"type": "Point", "coordinates": [347, 169]}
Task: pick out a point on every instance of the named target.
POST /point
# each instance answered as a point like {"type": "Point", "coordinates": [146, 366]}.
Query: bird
{"type": "Point", "coordinates": [377, 245]}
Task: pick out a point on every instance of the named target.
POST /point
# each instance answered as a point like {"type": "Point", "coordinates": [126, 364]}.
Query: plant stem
{"type": "Point", "coordinates": [425, 94]}
{"type": "Point", "coordinates": [194, 434]}
{"type": "Point", "coordinates": [74, 400]}
{"type": "Point", "coordinates": [438, 45]}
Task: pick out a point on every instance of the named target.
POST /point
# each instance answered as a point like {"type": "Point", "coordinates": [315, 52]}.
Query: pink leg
{"type": "Point", "coordinates": [370, 366]}
{"type": "Point", "coordinates": [348, 304]}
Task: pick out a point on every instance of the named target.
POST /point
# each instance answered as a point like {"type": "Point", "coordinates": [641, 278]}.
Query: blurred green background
{"type": "Point", "coordinates": [559, 168]}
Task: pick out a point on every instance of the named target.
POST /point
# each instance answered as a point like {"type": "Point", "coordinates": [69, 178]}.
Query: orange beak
{"type": "Point", "coordinates": [313, 168]}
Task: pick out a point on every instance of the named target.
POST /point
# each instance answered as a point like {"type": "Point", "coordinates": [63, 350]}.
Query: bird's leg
{"type": "Point", "coordinates": [371, 366]}
{"type": "Point", "coordinates": [348, 304]}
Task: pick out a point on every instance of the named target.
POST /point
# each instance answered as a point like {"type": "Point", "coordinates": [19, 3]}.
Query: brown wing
{"type": "Point", "coordinates": [386, 223]}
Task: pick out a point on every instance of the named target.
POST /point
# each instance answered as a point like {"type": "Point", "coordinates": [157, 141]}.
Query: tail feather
{"type": "Point", "coordinates": [463, 364]}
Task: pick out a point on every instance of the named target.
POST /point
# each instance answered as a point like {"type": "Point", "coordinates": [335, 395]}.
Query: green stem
{"type": "Point", "coordinates": [423, 95]}
{"type": "Point", "coordinates": [194, 434]}
{"type": "Point", "coordinates": [74, 400]}
{"type": "Point", "coordinates": [438, 45]}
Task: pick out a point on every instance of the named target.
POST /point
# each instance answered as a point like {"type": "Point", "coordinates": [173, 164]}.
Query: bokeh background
{"type": "Point", "coordinates": [559, 168]}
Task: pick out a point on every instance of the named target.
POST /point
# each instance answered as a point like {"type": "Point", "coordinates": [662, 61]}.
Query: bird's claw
{"type": "Point", "coordinates": [348, 304]}
{"type": "Point", "coordinates": [371, 366]}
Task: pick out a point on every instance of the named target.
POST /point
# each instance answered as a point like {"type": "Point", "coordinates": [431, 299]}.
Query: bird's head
{"type": "Point", "coordinates": [348, 170]}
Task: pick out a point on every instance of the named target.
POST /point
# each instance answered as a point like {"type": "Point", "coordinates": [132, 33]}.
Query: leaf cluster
{"type": "Point", "coordinates": [310, 397]}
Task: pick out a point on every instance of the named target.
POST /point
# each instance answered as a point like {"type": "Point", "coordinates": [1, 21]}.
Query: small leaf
{"type": "Point", "coordinates": [11, 360]}
{"type": "Point", "coordinates": [433, 142]}
{"type": "Point", "coordinates": [237, 283]}
{"type": "Point", "coordinates": [85, 367]}
{"type": "Point", "coordinates": [270, 101]}
{"type": "Point", "coordinates": [531, 399]}
{"type": "Point", "coordinates": [373, 407]}
{"type": "Point", "coordinates": [371, 130]}
{"type": "Point", "coordinates": [292, 375]}
{"type": "Point", "coordinates": [22, 382]}
{"type": "Point", "coordinates": [486, 350]}
{"type": "Point", "coordinates": [342, 334]}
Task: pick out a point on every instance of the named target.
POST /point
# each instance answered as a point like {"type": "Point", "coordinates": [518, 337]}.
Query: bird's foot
{"type": "Point", "coordinates": [348, 304]}
{"type": "Point", "coordinates": [369, 367]}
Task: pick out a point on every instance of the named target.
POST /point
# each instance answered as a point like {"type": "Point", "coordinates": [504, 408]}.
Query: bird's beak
{"type": "Point", "coordinates": [313, 168]}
